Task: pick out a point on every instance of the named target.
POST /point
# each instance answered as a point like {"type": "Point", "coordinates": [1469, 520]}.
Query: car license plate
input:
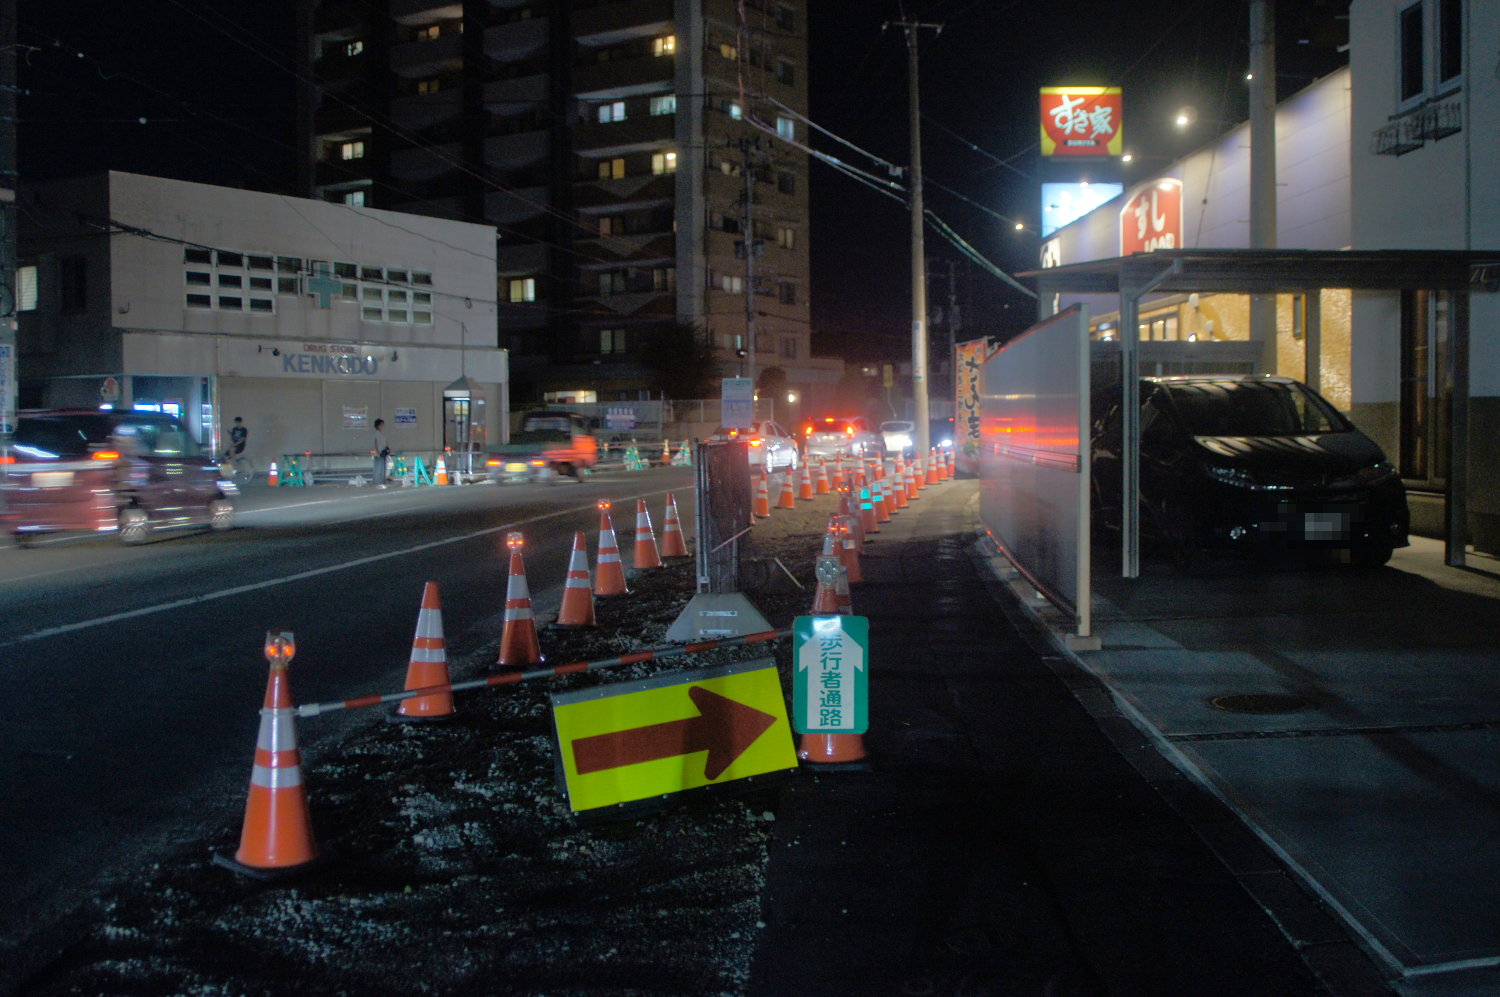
{"type": "Point", "coordinates": [515, 466]}
{"type": "Point", "coordinates": [1325, 526]}
{"type": "Point", "coordinates": [51, 479]}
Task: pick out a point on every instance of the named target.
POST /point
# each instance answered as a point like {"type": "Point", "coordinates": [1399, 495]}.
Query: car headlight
{"type": "Point", "coordinates": [1239, 477]}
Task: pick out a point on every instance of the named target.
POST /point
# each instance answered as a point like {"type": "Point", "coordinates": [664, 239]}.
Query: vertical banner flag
{"type": "Point", "coordinates": [968, 374]}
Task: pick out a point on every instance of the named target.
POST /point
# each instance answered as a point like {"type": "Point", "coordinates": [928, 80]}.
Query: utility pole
{"type": "Point", "coordinates": [1263, 166]}
{"type": "Point", "coordinates": [751, 249]}
{"type": "Point", "coordinates": [921, 409]}
{"type": "Point", "coordinates": [9, 296]}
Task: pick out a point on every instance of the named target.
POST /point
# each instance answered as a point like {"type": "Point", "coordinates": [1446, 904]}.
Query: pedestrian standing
{"type": "Point", "coordinates": [382, 452]}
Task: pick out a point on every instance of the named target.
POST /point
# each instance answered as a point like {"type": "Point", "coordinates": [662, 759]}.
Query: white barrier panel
{"type": "Point", "coordinates": [1034, 458]}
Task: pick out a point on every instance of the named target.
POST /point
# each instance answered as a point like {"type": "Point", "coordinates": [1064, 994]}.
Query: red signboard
{"type": "Point", "coordinates": [1082, 121]}
{"type": "Point", "coordinates": [1152, 218]}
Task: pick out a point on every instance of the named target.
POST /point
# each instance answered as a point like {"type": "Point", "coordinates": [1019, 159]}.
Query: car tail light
{"type": "Point", "coordinates": [848, 430]}
{"type": "Point", "coordinates": [7, 459]}
{"type": "Point", "coordinates": [756, 443]}
{"type": "Point", "coordinates": [105, 455]}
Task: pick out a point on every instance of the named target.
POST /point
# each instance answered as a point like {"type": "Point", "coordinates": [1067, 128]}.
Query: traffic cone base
{"type": "Point", "coordinates": [832, 749]}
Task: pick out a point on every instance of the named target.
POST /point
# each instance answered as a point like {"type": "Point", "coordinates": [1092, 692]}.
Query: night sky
{"type": "Point", "coordinates": [214, 83]}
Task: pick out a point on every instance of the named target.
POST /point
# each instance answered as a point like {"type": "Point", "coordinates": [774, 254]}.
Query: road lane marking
{"type": "Point", "coordinates": [297, 577]}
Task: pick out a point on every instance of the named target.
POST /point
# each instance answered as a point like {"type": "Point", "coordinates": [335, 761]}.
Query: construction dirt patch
{"type": "Point", "coordinates": [457, 865]}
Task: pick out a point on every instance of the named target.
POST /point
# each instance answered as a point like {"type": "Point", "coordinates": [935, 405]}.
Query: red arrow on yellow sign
{"type": "Point", "coordinates": [724, 728]}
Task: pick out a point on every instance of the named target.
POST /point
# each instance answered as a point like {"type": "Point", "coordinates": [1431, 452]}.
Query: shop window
{"type": "Point", "coordinates": [1426, 387]}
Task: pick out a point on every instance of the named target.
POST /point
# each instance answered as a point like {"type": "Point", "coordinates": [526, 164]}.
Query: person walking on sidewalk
{"type": "Point", "coordinates": [382, 452]}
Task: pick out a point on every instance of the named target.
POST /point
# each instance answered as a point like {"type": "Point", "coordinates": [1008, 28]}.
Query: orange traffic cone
{"type": "Point", "coordinates": [952, 463]}
{"type": "Point", "coordinates": [673, 543]}
{"type": "Point", "coordinates": [788, 498]}
{"type": "Point", "coordinates": [909, 481]}
{"type": "Point", "coordinates": [273, 477]}
{"type": "Point", "coordinates": [646, 554]}
{"type": "Point", "coordinates": [441, 478]}
{"type": "Point", "coordinates": [805, 484]}
{"type": "Point", "coordinates": [577, 608]}
{"type": "Point", "coordinates": [429, 663]}
{"type": "Point", "coordinates": [877, 497]}
{"type": "Point", "coordinates": [919, 479]}
{"type": "Point", "coordinates": [277, 838]}
{"type": "Point", "coordinates": [762, 498]}
{"type": "Point", "coordinates": [518, 642]}
{"type": "Point", "coordinates": [820, 480]}
{"type": "Point", "coordinates": [898, 486]}
{"type": "Point", "coordinates": [868, 521]}
{"type": "Point", "coordinates": [609, 572]}
{"type": "Point", "coordinates": [932, 471]}
{"type": "Point", "coordinates": [848, 548]}
{"type": "Point", "coordinates": [838, 474]}
{"type": "Point", "coordinates": [666, 452]}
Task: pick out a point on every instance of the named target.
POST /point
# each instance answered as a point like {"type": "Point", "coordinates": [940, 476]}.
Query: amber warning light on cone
{"type": "Point", "coordinates": [514, 540]}
{"type": "Point", "coordinates": [280, 647]}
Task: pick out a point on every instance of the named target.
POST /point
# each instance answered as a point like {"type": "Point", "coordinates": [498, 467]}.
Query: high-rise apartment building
{"type": "Point", "coordinates": [638, 158]}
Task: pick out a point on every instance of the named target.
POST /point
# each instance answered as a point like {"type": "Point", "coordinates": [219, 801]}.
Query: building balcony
{"type": "Point", "coordinates": [1425, 124]}
{"type": "Point", "coordinates": [616, 138]}
{"type": "Point", "coordinates": [514, 206]}
{"type": "Point", "coordinates": [611, 23]}
{"type": "Point", "coordinates": [425, 163]}
{"type": "Point", "coordinates": [622, 249]}
{"type": "Point", "coordinates": [516, 96]}
{"type": "Point", "coordinates": [622, 78]}
{"type": "Point", "coordinates": [419, 112]}
{"type": "Point", "coordinates": [510, 152]}
{"type": "Point", "coordinates": [626, 192]}
{"type": "Point", "coordinates": [415, 12]}
{"type": "Point", "coordinates": [340, 171]}
{"type": "Point", "coordinates": [516, 39]}
{"type": "Point", "coordinates": [415, 60]}
{"type": "Point", "coordinates": [522, 258]}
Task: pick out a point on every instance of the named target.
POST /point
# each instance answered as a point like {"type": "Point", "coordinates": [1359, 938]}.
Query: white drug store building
{"type": "Point", "coordinates": [309, 320]}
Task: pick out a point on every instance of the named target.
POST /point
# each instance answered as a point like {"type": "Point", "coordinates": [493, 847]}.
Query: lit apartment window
{"type": "Point", "coordinates": [664, 279]}
{"type": "Point", "coordinates": [523, 289]}
{"type": "Point", "coordinates": [351, 150]}
{"type": "Point", "coordinates": [728, 51]}
{"type": "Point", "coordinates": [611, 340]}
{"type": "Point", "coordinates": [611, 169]}
{"type": "Point", "coordinates": [665, 45]}
{"type": "Point", "coordinates": [732, 108]}
{"type": "Point", "coordinates": [786, 127]}
{"type": "Point", "coordinates": [609, 225]}
{"type": "Point", "coordinates": [664, 162]}
{"type": "Point", "coordinates": [733, 283]}
{"type": "Point", "coordinates": [429, 33]}
{"type": "Point", "coordinates": [432, 85]}
{"type": "Point", "coordinates": [354, 198]}
{"type": "Point", "coordinates": [664, 105]}
{"type": "Point", "coordinates": [355, 47]}
{"type": "Point", "coordinates": [26, 289]}
{"type": "Point", "coordinates": [612, 282]}
{"type": "Point", "coordinates": [786, 238]}
{"type": "Point", "coordinates": [613, 111]}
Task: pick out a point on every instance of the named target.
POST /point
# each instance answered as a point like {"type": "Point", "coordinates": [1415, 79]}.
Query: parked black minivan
{"type": "Point", "coordinates": [1251, 462]}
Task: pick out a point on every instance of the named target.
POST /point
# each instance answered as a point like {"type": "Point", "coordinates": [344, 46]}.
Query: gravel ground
{"type": "Point", "coordinates": [458, 866]}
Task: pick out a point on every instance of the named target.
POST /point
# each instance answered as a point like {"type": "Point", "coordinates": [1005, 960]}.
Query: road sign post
{"type": "Point", "coordinates": [831, 656]}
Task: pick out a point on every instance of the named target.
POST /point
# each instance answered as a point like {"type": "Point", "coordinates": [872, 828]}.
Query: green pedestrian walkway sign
{"type": "Point", "coordinates": [830, 656]}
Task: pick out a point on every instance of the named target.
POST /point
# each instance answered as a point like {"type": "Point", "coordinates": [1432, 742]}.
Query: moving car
{"type": "Point", "coordinates": [123, 472]}
{"type": "Point", "coordinates": [1252, 462]}
{"type": "Point", "coordinates": [770, 445]}
{"type": "Point", "coordinates": [899, 438]}
{"type": "Point", "coordinates": [548, 445]}
{"type": "Point", "coordinates": [832, 436]}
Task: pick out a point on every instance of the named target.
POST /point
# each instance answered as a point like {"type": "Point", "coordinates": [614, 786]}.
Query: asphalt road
{"type": "Point", "coordinates": [134, 676]}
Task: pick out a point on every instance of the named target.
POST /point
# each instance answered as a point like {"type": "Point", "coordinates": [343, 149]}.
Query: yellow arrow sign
{"type": "Point", "coordinates": [635, 740]}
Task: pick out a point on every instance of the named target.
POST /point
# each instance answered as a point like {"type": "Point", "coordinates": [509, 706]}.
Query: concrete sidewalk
{"type": "Point", "coordinates": [1350, 718]}
{"type": "Point", "coordinates": [1015, 832]}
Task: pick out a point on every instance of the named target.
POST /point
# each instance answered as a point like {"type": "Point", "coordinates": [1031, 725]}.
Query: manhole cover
{"type": "Point", "coordinates": [1259, 702]}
